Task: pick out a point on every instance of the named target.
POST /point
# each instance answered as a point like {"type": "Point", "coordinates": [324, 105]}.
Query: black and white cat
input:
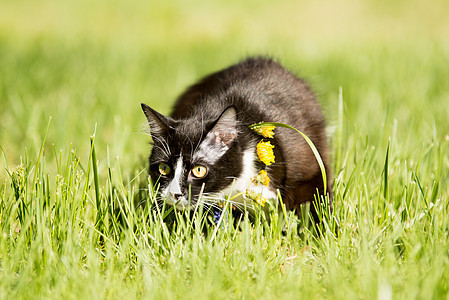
{"type": "Point", "coordinates": [206, 147]}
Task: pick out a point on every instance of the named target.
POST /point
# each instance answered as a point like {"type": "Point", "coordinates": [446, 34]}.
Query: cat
{"type": "Point", "coordinates": [206, 146]}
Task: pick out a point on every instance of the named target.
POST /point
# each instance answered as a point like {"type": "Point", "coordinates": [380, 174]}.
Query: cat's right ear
{"type": "Point", "coordinates": [159, 124]}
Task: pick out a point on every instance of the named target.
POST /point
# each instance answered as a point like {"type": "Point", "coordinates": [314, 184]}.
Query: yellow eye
{"type": "Point", "coordinates": [199, 171]}
{"type": "Point", "coordinates": [164, 169]}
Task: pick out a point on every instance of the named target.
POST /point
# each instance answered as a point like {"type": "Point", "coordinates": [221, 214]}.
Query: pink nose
{"type": "Point", "coordinates": [176, 196]}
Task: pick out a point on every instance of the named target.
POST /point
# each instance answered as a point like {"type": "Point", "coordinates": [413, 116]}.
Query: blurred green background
{"type": "Point", "coordinates": [90, 63]}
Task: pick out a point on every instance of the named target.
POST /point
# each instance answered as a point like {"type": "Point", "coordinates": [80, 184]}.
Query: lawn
{"type": "Point", "coordinates": [74, 147]}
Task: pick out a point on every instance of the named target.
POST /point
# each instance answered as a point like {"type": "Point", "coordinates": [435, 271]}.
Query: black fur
{"type": "Point", "coordinates": [260, 90]}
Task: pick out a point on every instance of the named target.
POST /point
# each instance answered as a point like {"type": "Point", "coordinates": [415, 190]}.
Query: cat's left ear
{"type": "Point", "coordinates": [159, 124]}
{"type": "Point", "coordinates": [224, 130]}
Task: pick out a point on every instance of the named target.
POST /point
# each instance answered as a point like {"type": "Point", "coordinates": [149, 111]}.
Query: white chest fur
{"type": "Point", "coordinates": [245, 184]}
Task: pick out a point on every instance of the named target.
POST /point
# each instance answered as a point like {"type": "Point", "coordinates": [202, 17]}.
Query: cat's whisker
{"type": "Point", "coordinates": [213, 200]}
{"type": "Point", "coordinates": [162, 149]}
{"type": "Point", "coordinates": [149, 147]}
{"type": "Point", "coordinates": [211, 203]}
{"type": "Point", "coordinates": [158, 206]}
{"type": "Point", "coordinates": [212, 206]}
{"type": "Point", "coordinates": [164, 143]}
{"type": "Point", "coordinates": [144, 129]}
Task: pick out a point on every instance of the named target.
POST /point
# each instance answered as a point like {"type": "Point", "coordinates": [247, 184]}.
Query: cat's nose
{"type": "Point", "coordinates": [176, 196]}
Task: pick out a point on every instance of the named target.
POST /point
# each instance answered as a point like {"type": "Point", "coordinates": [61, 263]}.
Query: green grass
{"type": "Point", "coordinates": [74, 148]}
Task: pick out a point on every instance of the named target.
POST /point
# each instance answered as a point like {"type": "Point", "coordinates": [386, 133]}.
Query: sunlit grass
{"type": "Point", "coordinates": [65, 234]}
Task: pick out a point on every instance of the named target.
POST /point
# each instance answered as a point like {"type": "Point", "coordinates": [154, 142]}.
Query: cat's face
{"type": "Point", "coordinates": [194, 156]}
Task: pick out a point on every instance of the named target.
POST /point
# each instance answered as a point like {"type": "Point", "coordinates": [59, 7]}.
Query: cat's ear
{"type": "Point", "coordinates": [224, 131]}
{"type": "Point", "coordinates": [159, 124]}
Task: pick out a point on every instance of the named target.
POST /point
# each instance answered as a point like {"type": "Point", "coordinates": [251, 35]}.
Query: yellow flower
{"type": "Point", "coordinates": [256, 197]}
{"type": "Point", "coordinates": [262, 178]}
{"type": "Point", "coordinates": [260, 200]}
{"type": "Point", "coordinates": [265, 130]}
{"type": "Point", "coordinates": [265, 152]}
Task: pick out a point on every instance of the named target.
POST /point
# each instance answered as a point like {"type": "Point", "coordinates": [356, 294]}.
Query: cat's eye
{"type": "Point", "coordinates": [199, 171]}
{"type": "Point", "coordinates": [164, 169]}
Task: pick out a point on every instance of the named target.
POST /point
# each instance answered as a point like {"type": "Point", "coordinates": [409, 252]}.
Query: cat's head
{"type": "Point", "coordinates": [193, 156]}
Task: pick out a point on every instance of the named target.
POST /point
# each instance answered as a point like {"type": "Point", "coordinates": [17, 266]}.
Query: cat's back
{"type": "Point", "coordinates": [262, 90]}
{"type": "Point", "coordinates": [256, 86]}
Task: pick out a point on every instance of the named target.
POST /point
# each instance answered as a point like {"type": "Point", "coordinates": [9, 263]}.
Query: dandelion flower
{"type": "Point", "coordinates": [260, 200]}
{"type": "Point", "coordinates": [256, 197]}
{"type": "Point", "coordinates": [265, 152]}
{"type": "Point", "coordinates": [264, 130]}
{"type": "Point", "coordinates": [262, 178]}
